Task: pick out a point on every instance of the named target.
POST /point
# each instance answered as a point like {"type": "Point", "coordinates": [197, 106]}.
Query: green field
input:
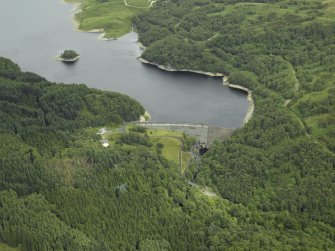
{"type": "Point", "coordinates": [114, 17]}
{"type": "Point", "coordinates": [4, 247]}
{"type": "Point", "coordinates": [171, 148]}
{"type": "Point", "coordinates": [329, 14]}
{"type": "Point", "coordinates": [172, 141]}
{"type": "Point", "coordinates": [139, 3]}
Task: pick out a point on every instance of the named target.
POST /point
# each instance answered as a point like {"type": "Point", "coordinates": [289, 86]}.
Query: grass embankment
{"type": "Point", "coordinates": [4, 247]}
{"type": "Point", "coordinates": [139, 3]}
{"type": "Point", "coordinates": [173, 146]}
{"type": "Point", "coordinates": [113, 16]}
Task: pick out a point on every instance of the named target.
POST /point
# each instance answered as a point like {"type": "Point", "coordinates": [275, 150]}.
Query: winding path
{"type": "Point", "coordinates": [287, 101]}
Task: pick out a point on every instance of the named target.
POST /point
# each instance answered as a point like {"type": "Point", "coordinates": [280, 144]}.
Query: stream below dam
{"type": "Point", "coordinates": [34, 32]}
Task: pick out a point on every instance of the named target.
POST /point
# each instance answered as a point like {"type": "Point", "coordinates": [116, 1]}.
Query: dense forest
{"type": "Point", "coordinates": [61, 190]}
{"type": "Point", "coordinates": [280, 165]}
{"type": "Point", "coordinates": [283, 47]}
{"type": "Point", "coordinates": [275, 178]}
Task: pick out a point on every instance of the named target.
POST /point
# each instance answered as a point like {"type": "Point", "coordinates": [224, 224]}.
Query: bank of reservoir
{"type": "Point", "coordinates": [41, 29]}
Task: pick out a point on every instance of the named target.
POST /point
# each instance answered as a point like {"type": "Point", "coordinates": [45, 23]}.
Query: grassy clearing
{"type": "Point", "coordinates": [4, 247]}
{"type": "Point", "coordinates": [329, 13]}
{"type": "Point", "coordinates": [172, 144]}
{"type": "Point", "coordinates": [113, 16]}
{"type": "Point", "coordinates": [139, 3]}
{"type": "Point", "coordinates": [171, 148]}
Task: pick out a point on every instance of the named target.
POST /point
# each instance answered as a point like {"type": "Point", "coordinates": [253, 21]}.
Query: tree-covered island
{"type": "Point", "coordinates": [69, 56]}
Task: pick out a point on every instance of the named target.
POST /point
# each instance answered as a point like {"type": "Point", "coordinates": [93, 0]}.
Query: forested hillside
{"type": "Point", "coordinates": [281, 164]}
{"type": "Point", "coordinates": [61, 190]}
{"type": "Point", "coordinates": [284, 48]}
{"type": "Point", "coordinates": [40, 112]}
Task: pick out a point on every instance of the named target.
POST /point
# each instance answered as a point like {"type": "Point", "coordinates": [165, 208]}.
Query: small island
{"type": "Point", "coordinates": [68, 56]}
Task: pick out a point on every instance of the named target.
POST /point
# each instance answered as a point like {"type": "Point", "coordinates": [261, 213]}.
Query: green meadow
{"type": "Point", "coordinates": [113, 16]}
{"type": "Point", "coordinates": [4, 247]}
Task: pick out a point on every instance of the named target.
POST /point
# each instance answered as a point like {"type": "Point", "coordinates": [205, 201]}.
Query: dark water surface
{"type": "Point", "coordinates": [34, 32]}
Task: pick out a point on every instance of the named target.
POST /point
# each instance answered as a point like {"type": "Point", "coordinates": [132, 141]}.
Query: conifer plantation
{"type": "Point", "coordinates": [274, 178]}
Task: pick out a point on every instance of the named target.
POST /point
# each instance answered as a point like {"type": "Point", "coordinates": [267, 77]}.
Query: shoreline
{"type": "Point", "coordinates": [251, 102]}
{"type": "Point", "coordinates": [59, 58]}
{"type": "Point", "coordinates": [225, 82]}
{"type": "Point", "coordinates": [102, 35]}
{"type": "Point", "coordinates": [139, 44]}
{"type": "Point", "coordinates": [145, 117]}
{"type": "Point", "coordinates": [76, 9]}
{"type": "Point", "coordinates": [169, 68]}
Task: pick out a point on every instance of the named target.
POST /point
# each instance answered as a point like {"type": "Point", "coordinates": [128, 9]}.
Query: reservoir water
{"type": "Point", "coordinates": [34, 32]}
